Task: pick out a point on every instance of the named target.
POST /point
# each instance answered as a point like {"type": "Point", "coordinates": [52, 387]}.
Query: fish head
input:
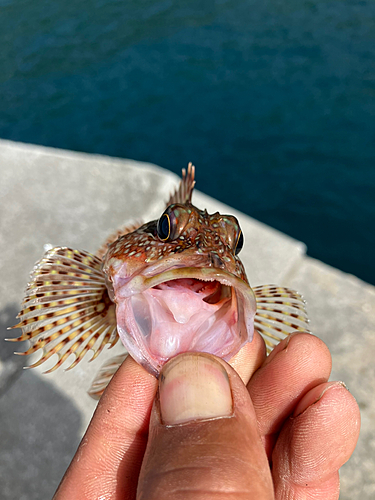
{"type": "Point", "coordinates": [179, 285]}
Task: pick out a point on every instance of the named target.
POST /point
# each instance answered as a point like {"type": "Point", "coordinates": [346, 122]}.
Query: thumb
{"type": "Point", "coordinates": [203, 439]}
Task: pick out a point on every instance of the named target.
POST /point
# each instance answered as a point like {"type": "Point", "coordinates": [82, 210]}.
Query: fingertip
{"type": "Point", "coordinates": [333, 401]}
{"type": "Point", "coordinates": [314, 444]}
{"type": "Point", "coordinates": [315, 395]}
{"type": "Point", "coordinates": [299, 355]}
{"type": "Point", "coordinates": [310, 344]}
{"type": "Point", "coordinates": [301, 340]}
{"type": "Point", "coordinates": [298, 364]}
{"type": "Point", "coordinates": [281, 346]}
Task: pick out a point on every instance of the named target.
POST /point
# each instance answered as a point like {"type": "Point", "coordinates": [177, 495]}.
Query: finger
{"type": "Point", "coordinates": [296, 365]}
{"type": "Point", "coordinates": [313, 445]}
{"type": "Point", "coordinates": [109, 458]}
{"type": "Point", "coordinates": [247, 361]}
{"type": "Point", "coordinates": [203, 441]}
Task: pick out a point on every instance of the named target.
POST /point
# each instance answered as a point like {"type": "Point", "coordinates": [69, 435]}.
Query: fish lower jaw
{"type": "Point", "coordinates": [182, 315]}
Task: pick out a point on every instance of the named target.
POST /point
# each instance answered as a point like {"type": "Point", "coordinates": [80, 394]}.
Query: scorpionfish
{"type": "Point", "coordinates": [171, 285]}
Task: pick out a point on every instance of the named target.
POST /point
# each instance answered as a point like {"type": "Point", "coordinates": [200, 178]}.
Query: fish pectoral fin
{"type": "Point", "coordinates": [105, 374]}
{"type": "Point", "coordinates": [66, 309]}
{"type": "Point", "coordinates": [185, 189]}
{"type": "Point", "coordinates": [128, 228]}
{"type": "Point", "coordinates": [280, 311]}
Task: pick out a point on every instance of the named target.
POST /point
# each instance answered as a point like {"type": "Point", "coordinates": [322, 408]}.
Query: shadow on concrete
{"type": "Point", "coordinates": [39, 426]}
{"type": "Point", "coordinates": [39, 433]}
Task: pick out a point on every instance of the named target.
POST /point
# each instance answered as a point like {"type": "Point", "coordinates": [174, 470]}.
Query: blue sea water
{"type": "Point", "coordinates": [273, 100]}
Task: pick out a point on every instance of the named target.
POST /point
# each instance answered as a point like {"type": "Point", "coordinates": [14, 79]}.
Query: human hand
{"type": "Point", "coordinates": [283, 436]}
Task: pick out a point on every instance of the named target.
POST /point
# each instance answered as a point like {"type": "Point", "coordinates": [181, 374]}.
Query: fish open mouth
{"type": "Point", "coordinates": [211, 292]}
{"type": "Point", "coordinates": [184, 309]}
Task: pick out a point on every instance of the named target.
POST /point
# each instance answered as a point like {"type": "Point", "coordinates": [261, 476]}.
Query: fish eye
{"type": "Point", "coordinates": [239, 243]}
{"type": "Point", "coordinates": [173, 221]}
{"type": "Point", "coordinates": [164, 227]}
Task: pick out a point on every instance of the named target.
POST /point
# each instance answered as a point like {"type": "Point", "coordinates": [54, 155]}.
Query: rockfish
{"type": "Point", "coordinates": [169, 286]}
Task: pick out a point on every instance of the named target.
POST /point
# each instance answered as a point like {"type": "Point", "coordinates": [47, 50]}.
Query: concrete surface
{"type": "Point", "coordinates": [65, 198]}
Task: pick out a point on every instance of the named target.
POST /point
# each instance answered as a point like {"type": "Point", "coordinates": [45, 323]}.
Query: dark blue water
{"type": "Point", "coordinates": [273, 100]}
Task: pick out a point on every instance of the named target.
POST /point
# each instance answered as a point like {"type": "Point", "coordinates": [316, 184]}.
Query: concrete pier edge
{"type": "Point", "coordinates": [76, 199]}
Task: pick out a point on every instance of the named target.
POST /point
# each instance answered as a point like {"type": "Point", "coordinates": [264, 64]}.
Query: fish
{"type": "Point", "coordinates": [171, 285]}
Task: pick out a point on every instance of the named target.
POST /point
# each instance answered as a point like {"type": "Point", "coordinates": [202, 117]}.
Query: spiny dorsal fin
{"type": "Point", "coordinates": [185, 190]}
{"type": "Point", "coordinates": [105, 374]}
{"type": "Point", "coordinates": [66, 309]}
{"type": "Point", "coordinates": [280, 311]}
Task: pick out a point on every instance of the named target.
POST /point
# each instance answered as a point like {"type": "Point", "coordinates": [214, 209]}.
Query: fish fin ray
{"type": "Point", "coordinates": [64, 314]}
{"type": "Point", "coordinates": [280, 311]}
{"type": "Point", "coordinates": [105, 374]}
{"type": "Point", "coordinates": [185, 189]}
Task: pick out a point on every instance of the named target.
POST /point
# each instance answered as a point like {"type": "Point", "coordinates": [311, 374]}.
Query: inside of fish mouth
{"type": "Point", "coordinates": [212, 291]}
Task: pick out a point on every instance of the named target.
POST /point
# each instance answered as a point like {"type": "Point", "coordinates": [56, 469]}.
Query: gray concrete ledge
{"type": "Point", "coordinates": [75, 199]}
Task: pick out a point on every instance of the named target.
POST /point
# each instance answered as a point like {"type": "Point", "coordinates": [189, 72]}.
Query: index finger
{"type": "Point", "coordinates": [109, 457]}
